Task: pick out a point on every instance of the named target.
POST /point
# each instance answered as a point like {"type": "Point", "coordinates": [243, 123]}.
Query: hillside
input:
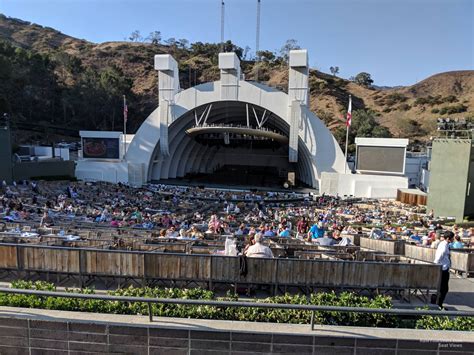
{"type": "Point", "coordinates": [75, 83]}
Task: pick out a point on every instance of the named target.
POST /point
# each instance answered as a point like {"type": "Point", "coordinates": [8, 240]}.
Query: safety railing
{"type": "Point", "coordinates": [234, 304]}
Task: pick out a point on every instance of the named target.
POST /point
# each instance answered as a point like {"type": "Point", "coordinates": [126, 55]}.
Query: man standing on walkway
{"type": "Point", "coordinates": [442, 257]}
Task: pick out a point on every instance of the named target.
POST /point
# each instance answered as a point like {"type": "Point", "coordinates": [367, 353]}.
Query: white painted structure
{"type": "Point", "coordinates": [415, 165]}
{"type": "Point", "coordinates": [369, 184]}
{"type": "Point", "coordinates": [46, 152]}
{"type": "Point", "coordinates": [111, 170]}
{"type": "Point", "coordinates": [362, 185]}
{"type": "Point", "coordinates": [161, 149]}
{"type": "Point", "coordinates": [379, 144]}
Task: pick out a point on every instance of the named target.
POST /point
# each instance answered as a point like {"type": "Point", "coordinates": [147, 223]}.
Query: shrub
{"type": "Point", "coordinates": [209, 312]}
{"type": "Point", "coordinates": [435, 110]}
{"type": "Point", "coordinates": [435, 100]}
{"type": "Point", "coordinates": [453, 109]}
{"type": "Point", "coordinates": [445, 323]}
{"type": "Point", "coordinates": [394, 98]}
{"type": "Point", "coordinates": [344, 299]}
{"type": "Point", "coordinates": [404, 107]}
{"type": "Point", "coordinates": [450, 99]}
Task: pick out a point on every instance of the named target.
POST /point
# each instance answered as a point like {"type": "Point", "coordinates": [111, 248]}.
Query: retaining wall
{"type": "Point", "coordinates": [31, 331]}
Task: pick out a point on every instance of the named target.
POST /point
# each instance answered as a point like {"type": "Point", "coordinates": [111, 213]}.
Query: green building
{"type": "Point", "coordinates": [451, 186]}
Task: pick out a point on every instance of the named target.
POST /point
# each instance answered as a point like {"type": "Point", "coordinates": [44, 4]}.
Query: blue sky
{"type": "Point", "coordinates": [398, 41]}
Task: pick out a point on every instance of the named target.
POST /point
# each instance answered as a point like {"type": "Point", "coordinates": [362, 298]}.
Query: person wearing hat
{"type": "Point", "coordinates": [443, 258]}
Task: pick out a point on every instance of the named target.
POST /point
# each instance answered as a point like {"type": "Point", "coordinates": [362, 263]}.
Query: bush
{"type": "Point", "coordinates": [435, 100]}
{"type": "Point", "coordinates": [435, 110]}
{"type": "Point", "coordinates": [410, 128]}
{"type": "Point", "coordinates": [450, 99]}
{"type": "Point", "coordinates": [344, 299]}
{"type": "Point", "coordinates": [394, 98]}
{"type": "Point", "coordinates": [453, 109]}
{"type": "Point", "coordinates": [446, 323]}
{"type": "Point", "coordinates": [404, 107]}
{"type": "Point", "coordinates": [316, 85]}
{"type": "Point", "coordinates": [209, 312]}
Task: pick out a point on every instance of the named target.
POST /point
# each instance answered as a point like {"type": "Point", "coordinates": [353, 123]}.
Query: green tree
{"type": "Point", "coordinates": [364, 124]}
{"type": "Point", "coordinates": [289, 45]}
{"type": "Point", "coordinates": [266, 56]}
{"type": "Point", "coordinates": [183, 43]}
{"type": "Point", "coordinates": [363, 79]}
{"type": "Point", "coordinates": [154, 37]}
{"type": "Point", "coordinates": [334, 70]}
{"type": "Point", "coordinates": [135, 36]}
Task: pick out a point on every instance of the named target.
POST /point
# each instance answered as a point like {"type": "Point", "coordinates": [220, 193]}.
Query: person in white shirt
{"type": "Point", "coordinates": [172, 233]}
{"type": "Point", "coordinates": [436, 242]}
{"type": "Point", "coordinates": [443, 258]}
{"type": "Point", "coordinates": [258, 250]}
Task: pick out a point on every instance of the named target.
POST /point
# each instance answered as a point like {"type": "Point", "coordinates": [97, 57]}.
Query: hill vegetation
{"type": "Point", "coordinates": [50, 79]}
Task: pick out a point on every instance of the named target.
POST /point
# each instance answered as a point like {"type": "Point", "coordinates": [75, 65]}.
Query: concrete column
{"type": "Point", "coordinates": [295, 118]}
{"type": "Point", "coordinates": [168, 87]}
{"type": "Point", "coordinates": [297, 97]}
{"type": "Point", "coordinates": [168, 77]}
{"type": "Point", "coordinates": [229, 65]}
{"type": "Point", "coordinates": [298, 76]}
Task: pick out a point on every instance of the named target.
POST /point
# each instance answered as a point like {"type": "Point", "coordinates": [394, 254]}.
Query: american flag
{"type": "Point", "coordinates": [125, 109]}
{"type": "Point", "coordinates": [349, 113]}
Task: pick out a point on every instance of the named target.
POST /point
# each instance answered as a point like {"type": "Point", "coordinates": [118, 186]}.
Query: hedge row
{"type": "Point", "coordinates": [346, 299]}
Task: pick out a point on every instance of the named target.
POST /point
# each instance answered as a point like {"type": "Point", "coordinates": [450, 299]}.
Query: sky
{"type": "Point", "coordinates": [399, 42]}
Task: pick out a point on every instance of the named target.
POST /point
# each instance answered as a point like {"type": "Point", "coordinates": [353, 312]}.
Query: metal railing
{"type": "Point", "coordinates": [299, 307]}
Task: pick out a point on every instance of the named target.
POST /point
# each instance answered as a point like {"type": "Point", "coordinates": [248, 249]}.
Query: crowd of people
{"type": "Point", "coordinates": [191, 212]}
{"type": "Point", "coordinates": [178, 212]}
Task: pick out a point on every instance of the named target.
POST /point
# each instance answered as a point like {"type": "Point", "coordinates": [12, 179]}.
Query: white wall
{"type": "Point", "coordinates": [102, 171]}
{"type": "Point", "coordinates": [413, 168]}
{"type": "Point", "coordinates": [362, 185]}
{"type": "Point", "coordinates": [425, 180]}
{"type": "Point", "coordinates": [48, 152]}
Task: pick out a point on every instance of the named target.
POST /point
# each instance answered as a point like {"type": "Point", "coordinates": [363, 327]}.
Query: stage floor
{"type": "Point", "coordinates": [211, 185]}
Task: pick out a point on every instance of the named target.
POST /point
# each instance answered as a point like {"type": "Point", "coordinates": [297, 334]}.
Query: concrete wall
{"type": "Point", "coordinates": [28, 170]}
{"type": "Point", "coordinates": [450, 171]}
{"type": "Point", "coordinates": [362, 185]}
{"type": "Point", "coordinates": [109, 171]}
{"type": "Point", "coordinates": [30, 331]}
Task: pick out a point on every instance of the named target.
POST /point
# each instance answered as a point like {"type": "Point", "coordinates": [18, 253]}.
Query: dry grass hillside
{"type": "Point", "coordinates": [406, 111]}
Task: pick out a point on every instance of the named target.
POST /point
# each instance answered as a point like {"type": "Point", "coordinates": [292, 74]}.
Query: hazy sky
{"type": "Point", "coordinates": [398, 41]}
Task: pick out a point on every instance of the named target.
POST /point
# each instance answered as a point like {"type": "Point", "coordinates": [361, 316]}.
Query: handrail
{"type": "Point", "coordinates": [301, 307]}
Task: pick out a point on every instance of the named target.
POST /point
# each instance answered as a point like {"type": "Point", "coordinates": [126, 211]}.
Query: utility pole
{"type": "Point", "coordinates": [222, 25]}
{"type": "Point", "coordinates": [257, 40]}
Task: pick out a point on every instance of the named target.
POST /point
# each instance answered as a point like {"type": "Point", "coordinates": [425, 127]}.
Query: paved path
{"type": "Point", "coordinates": [461, 294]}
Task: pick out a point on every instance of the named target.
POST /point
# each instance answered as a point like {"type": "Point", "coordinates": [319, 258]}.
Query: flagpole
{"type": "Point", "coordinates": [345, 154]}
{"type": "Point", "coordinates": [347, 137]}
{"type": "Point", "coordinates": [124, 127]}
